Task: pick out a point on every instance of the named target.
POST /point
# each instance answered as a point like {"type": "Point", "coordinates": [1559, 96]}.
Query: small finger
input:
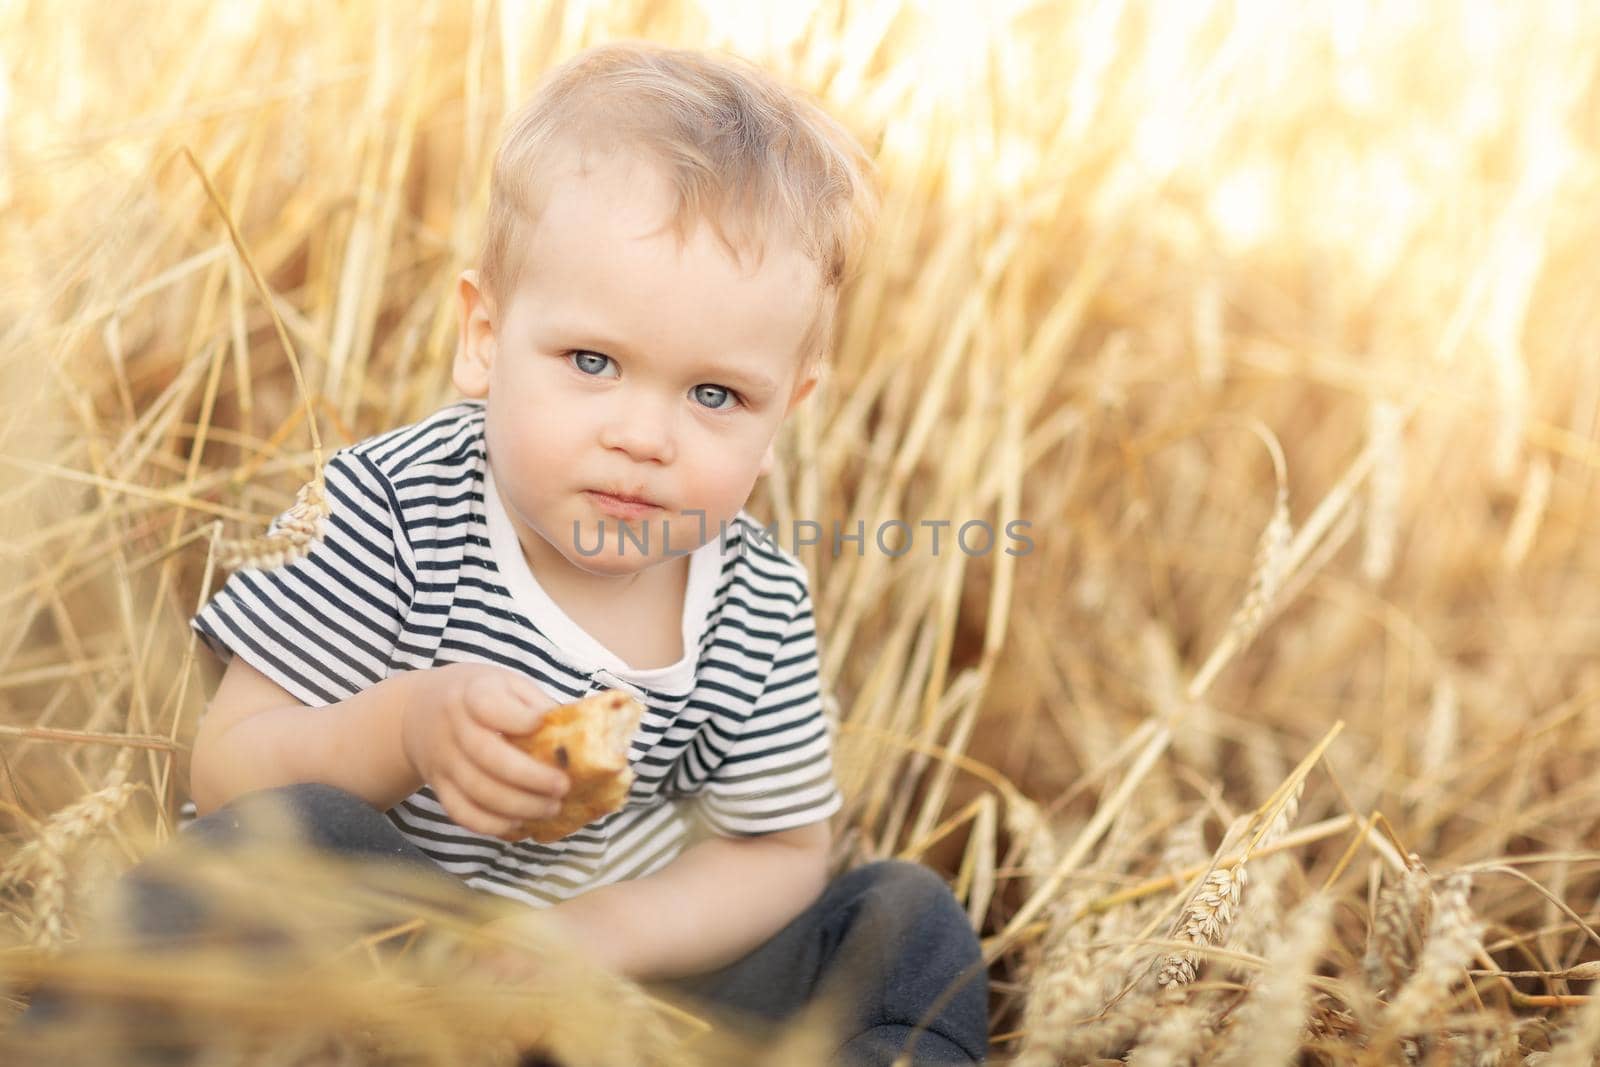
{"type": "Point", "coordinates": [523, 689]}
{"type": "Point", "coordinates": [497, 757]}
{"type": "Point", "coordinates": [498, 753]}
{"type": "Point", "coordinates": [509, 704]}
{"type": "Point", "coordinates": [468, 815]}
{"type": "Point", "coordinates": [492, 703]}
{"type": "Point", "coordinates": [506, 801]}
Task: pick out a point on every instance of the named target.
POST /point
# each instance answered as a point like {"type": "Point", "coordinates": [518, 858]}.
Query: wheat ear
{"type": "Point", "coordinates": [1451, 945]}
{"type": "Point", "coordinates": [1174, 1038]}
{"type": "Point", "coordinates": [1203, 923]}
{"type": "Point", "coordinates": [1269, 1028]}
{"type": "Point", "coordinates": [1266, 576]}
{"type": "Point", "coordinates": [291, 537]}
{"type": "Point", "coordinates": [1064, 987]}
{"type": "Point", "coordinates": [44, 859]}
{"type": "Point", "coordinates": [1399, 921]}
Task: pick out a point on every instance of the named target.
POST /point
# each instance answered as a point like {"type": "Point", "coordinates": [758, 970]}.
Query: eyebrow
{"type": "Point", "coordinates": [752, 381]}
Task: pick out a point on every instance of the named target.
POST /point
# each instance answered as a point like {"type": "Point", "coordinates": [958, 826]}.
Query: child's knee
{"type": "Point", "coordinates": [300, 811]}
{"type": "Point", "coordinates": [320, 803]}
{"type": "Point", "coordinates": [909, 883]}
{"type": "Point", "coordinates": [909, 893]}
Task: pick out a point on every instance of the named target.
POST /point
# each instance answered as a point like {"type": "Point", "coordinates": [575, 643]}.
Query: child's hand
{"type": "Point", "coordinates": [456, 743]}
{"type": "Point", "coordinates": [502, 964]}
{"type": "Point", "coordinates": [517, 963]}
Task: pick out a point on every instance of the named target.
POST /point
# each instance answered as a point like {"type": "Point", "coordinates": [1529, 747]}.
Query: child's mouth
{"type": "Point", "coordinates": [620, 507]}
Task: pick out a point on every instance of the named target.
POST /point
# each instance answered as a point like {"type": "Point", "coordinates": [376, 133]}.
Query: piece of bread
{"type": "Point", "coordinates": [588, 739]}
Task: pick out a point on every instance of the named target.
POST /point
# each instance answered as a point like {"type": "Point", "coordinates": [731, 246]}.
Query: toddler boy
{"type": "Point", "coordinates": [666, 238]}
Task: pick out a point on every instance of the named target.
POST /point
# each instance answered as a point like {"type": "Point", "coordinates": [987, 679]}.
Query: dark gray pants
{"type": "Point", "coordinates": [887, 941]}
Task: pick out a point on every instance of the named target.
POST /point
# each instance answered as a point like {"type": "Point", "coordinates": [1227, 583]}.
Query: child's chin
{"type": "Point", "coordinates": [610, 563]}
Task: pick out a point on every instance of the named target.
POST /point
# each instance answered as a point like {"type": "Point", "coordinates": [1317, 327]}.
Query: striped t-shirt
{"type": "Point", "coordinates": [420, 566]}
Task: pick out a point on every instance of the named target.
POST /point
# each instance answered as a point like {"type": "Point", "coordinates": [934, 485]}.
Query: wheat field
{"type": "Point", "coordinates": [1276, 322]}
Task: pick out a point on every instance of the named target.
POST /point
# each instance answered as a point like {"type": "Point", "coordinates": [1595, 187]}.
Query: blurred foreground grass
{"type": "Point", "coordinates": [1276, 322]}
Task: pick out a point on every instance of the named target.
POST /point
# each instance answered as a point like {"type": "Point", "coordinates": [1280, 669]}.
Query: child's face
{"type": "Point", "coordinates": [621, 363]}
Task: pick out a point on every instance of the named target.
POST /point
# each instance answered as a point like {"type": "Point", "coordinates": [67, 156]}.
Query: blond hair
{"type": "Point", "coordinates": [740, 151]}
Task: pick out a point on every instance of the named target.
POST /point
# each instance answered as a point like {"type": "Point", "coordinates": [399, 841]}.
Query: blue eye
{"type": "Point", "coordinates": [712, 397]}
{"type": "Point", "coordinates": [592, 365]}
{"type": "Point", "coordinates": [716, 390]}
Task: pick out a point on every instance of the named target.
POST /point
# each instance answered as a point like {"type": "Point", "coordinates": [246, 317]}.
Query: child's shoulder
{"type": "Point", "coordinates": [450, 436]}
{"type": "Point", "coordinates": [775, 571]}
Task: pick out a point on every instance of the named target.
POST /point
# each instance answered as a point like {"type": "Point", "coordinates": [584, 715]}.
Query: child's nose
{"type": "Point", "coordinates": [643, 431]}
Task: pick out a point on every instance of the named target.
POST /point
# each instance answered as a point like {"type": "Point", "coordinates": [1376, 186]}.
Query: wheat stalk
{"type": "Point", "coordinates": [1385, 490]}
{"type": "Point", "coordinates": [1579, 1044]}
{"type": "Point", "coordinates": [1530, 513]}
{"type": "Point", "coordinates": [292, 536]}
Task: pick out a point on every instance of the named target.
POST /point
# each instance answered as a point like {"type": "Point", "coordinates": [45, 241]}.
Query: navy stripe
{"type": "Point", "coordinates": [778, 750]}
{"type": "Point", "coordinates": [394, 509]}
{"type": "Point", "coordinates": [400, 441]}
{"type": "Point", "coordinates": [432, 482]}
{"type": "Point", "coordinates": [258, 657]}
{"type": "Point", "coordinates": [274, 593]}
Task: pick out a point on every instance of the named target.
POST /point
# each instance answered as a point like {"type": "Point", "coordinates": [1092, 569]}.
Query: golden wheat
{"type": "Point", "coordinates": [1204, 922]}
{"type": "Point", "coordinates": [1174, 1036]}
{"type": "Point", "coordinates": [291, 537]}
{"type": "Point", "coordinates": [1451, 944]}
{"type": "Point", "coordinates": [1114, 235]}
{"type": "Point", "coordinates": [43, 860]}
{"type": "Point", "coordinates": [1266, 576]}
{"type": "Point", "coordinates": [1267, 1028]}
{"type": "Point", "coordinates": [1400, 921]}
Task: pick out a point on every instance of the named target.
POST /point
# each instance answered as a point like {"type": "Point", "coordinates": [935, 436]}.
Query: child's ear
{"type": "Point", "coordinates": [803, 389]}
{"type": "Point", "coordinates": [475, 344]}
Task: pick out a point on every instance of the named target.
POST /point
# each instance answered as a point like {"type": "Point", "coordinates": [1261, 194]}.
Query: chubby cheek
{"type": "Point", "coordinates": [719, 482]}
{"type": "Point", "coordinates": [524, 456]}
{"type": "Point", "coordinates": [526, 428]}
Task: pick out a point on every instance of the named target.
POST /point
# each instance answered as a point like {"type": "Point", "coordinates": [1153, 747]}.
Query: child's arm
{"type": "Point", "coordinates": [710, 906]}
{"type": "Point", "coordinates": [445, 726]}
{"type": "Point", "coordinates": [256, 735]}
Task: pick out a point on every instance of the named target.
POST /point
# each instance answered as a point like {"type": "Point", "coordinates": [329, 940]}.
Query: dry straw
{"type": "Point", "coordinates": [1384, 492]}
{"type": "Point", "coordinates": [1113, 235]}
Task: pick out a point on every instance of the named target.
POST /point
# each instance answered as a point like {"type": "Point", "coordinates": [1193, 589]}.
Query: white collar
{"type": "Point", "coordinates": [576, 643]}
